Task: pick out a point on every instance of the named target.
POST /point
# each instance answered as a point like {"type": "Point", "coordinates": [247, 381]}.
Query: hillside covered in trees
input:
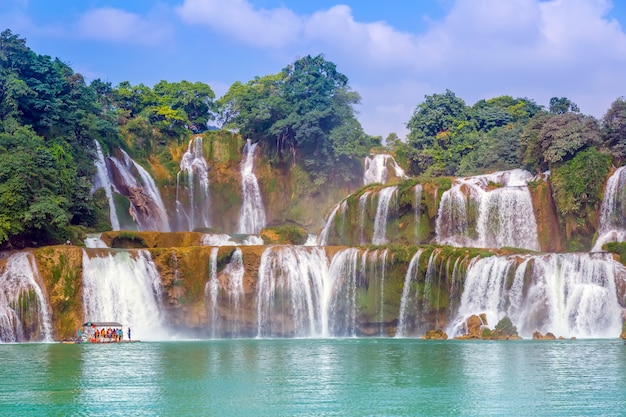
{"type": "Point", "coordinates": [303, 116]}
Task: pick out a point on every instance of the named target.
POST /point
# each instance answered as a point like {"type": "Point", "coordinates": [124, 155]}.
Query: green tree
{"type": "Point", "coordinates": [562, 105]}
{"type": "Point", "coordinates": [614, 130]}
{"type": "Point", "coordinates": [304, 114]}
{"type": "Point", "coordinates": [550, 139]}
{"type": "Point", "coordinates": [436, 115]}
{"type": "Point", "coordinates": [34, 190]}
{"type": "Point", "coordinates": [188, 103]}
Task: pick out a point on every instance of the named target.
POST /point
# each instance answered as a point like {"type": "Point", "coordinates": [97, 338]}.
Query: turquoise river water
{"type": "Point", "coordinates": [319, 377]}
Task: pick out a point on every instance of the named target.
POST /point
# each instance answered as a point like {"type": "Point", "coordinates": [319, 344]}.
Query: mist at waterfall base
{"type": "Point", "coordinates": [320, 377]}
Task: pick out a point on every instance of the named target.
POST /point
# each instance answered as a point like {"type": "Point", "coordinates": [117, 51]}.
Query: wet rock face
{"type": "Point", "coordinates": [284, 235]}
{"type": "Point", "coordinates": [540, 336]}
{"type": "Point", "coordinates": [474, 328]}
{"type": "Point", "coordinates": [435, 335]}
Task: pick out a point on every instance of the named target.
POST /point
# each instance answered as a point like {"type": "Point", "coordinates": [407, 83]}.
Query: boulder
{"type": "Point", "coordinates": [284, 235]}
{"type": "Point", "coordinates": [548, 336]}
{"type": "Point", "coordinates": [435, 335]}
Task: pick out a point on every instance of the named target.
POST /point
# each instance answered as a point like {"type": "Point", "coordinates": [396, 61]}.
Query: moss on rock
{"type": "Point", "coordinates": [284, 235]}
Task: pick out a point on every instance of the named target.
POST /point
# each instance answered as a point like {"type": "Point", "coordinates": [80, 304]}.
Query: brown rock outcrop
{"type": "Point", "coordinates": [435, 335]}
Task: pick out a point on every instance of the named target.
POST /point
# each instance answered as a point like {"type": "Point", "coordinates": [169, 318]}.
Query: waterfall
{"type": "Point", "coordinates": [147, 207]}
{"type": "Point", "coordinates": [224, 294]}
{"type": "Point", "coordinates": [417, 211]}
{"type": "Point", "coordinates": [322, 239]}
{"type": "Point", "coordinates": [234, 273]}
{"type": "Point", "coordinates": [217, 239]}
{"type": "Point", "coordinates": [492, 210]}
{"type": "Point", "coordinates": [362, 214]}
{"type": "Point", "coordinates": [567, 294]}
{"type": "Point", "coordinates": [408, 304]}
{"type": "Point", "coordinates": [102, 180]}
{"type": "Point", "coordinates": [612, 222]}
{"type": "Point", "coordinates": [24, 310]}
{"type": "Point", "coordinates": [381, 292]}
{"type": "Point", "coordinates": [126, 289]}
{"type": "Point", "coordinates": [94, 241]}
{"type": "Point", "coordinates": [344, 271]}
{"type": "Point", "coordinates": [252, 214]}
{"type": "Point", "coordinates": [290, 292]}
{"type": "Point", "coordinates": [376, 169]}
{"type": "Point", "coordinates": [211, 291]}
{"type": "Point", "coordinates": [382, 211]}
{"type": "Point", "coordinates": [192, 188]}
{"type": "Point", "coordinates": [311, 240]}
{"type": "Point", "coordinates": [432, 289]}
{"type": "Point", "coordinates": [355, 291]}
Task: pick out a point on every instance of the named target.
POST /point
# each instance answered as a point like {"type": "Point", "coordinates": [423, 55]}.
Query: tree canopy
{"type": "Point", "coordinates": [304, 114]}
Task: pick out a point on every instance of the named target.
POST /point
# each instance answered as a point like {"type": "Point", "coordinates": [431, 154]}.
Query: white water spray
{"type": "Point", "coordinates": [22, 302]}
{"type": "Point", "coordinates": [568, 294]}
{"type": "Point", "coordinates": [147, 206]}
{"type": "Point", "coordinates": [408, 301]}
{"type": "Point", "coordinates": [498, 206]}
{"type": "Point", "coordinates": [377, 169]}
{"type": "Point", "coordinates": [192, 188]}
{"type": "Point", "coordinates": [126, 289]}
{"type": "Point", "coordinates": [382, 212]}
{"type": "Point", "coordinates": [612, 222]}
{"type": "Point", "coordinates": [252, 214]}
{"type": "Point", "coordinates": [290, 292]}
{"type": "Point", "coordinates": [102, 180]}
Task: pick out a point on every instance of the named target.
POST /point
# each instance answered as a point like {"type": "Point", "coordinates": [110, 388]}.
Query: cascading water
{"type": "Point", "coordinates": [377, 169]}
{"type": "Point", "coordinates": [380, 273]}
{"type": "Point", "coordinates": [340, 208]}
{"type": "Point", "coordinates": [234, 273]}
{"type": "Point", "coordinates": [408, 302]}
{"type": "Point", "coordinates": [342, 313]}
{"type": "Point", "coordinates": [24, 310]}
{"type": "Point", "coordinates": [211, 292]}
{"type": "Point", "coordinates": [290, 292]}
{"type": "Point", "coordinates": [355, 292]}
{"type": "Point", "coordinates": [492, 211]}
{"type": "Point", "coordinates": [612, 222]}
{"type": "Point", "coordinates": [147, 206]}
{"type": "Point", "coordinates": [382, 211]}
{"type": "Point", "coordinates": [362, 213]}
{"type": "Point", "coordinates": [417, 205]}
{"type": "Point", "coordinates": [192, 188]}
{"type": "Point", "coordinates": [95, 241]}
{"type": "Point", "coordinates": [102, 180]}
{"type": "Point", "coordinates": [124, 287]}
{"type": "Point", "coordinates": [225, 297]}
{"type": "Point", "coordinates": [567, 294]}
{"type": "Point", "coordinates": [252, 214]}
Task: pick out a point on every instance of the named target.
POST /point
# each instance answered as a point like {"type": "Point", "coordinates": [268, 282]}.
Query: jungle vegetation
{"type": "Point", "coordinates": [51, 118]}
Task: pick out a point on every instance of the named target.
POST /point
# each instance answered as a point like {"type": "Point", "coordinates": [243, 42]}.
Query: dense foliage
{"type": "Point", "coordinates": [304, 114]}
{"type": "Point", "coordinates": [49, 119]}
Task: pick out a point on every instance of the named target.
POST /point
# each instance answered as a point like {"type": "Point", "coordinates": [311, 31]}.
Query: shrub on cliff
{"type": "Point", "coordinates": [286, 235]}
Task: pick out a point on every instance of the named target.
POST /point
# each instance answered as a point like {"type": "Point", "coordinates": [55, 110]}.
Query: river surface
{"type": "Point", "coordinates": [319, 377]}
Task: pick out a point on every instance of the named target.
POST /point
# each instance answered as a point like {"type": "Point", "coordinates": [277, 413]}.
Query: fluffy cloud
{"type": "Point", "coordinates": [274, 28]}
{"type": "Point", "coordinates": [480, 49]}
{"type": "Point", "coordinates": [111, 24]}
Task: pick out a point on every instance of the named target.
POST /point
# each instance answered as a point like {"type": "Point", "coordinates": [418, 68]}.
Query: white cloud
{"type": "Point", "coordinates": [526, 48]}
{"type": "Point", "coordinates": [115, 25]}
{"type": "Point", "coordinates": [274, 28]}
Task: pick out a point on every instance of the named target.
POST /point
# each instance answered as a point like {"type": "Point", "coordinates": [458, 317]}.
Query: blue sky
{"type": "Point", "coordinates": [394, 52]}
